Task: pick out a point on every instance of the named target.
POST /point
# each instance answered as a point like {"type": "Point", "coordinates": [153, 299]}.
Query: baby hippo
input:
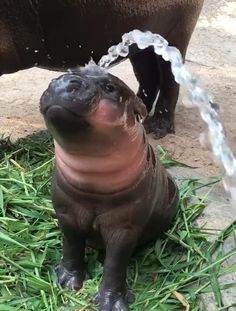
{"type": "Point", "coordinates": [109, 190]}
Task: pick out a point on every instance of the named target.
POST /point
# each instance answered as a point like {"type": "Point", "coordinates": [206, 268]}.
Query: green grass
{"type": "Point", "coordinates": [181, 265]}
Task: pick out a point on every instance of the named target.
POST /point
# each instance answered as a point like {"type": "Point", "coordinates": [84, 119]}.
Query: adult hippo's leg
{"type": "Point", "coordinates": [162, 121]}
{"type": "Point", "coordinates": [154, 74]}
{"type": "Point", "coordinates": [146, 69]}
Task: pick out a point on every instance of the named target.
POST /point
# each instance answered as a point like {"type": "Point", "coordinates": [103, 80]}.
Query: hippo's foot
{"type": "Point", "coordinates": [72, 280]}
{"type": "Point", "coordinates": [158, 126]}
{"type": "Point", "coordinates": [113, 301]}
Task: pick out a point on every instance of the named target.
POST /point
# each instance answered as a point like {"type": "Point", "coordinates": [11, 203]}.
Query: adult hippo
{"type": "Point", "coordinates": [59, 34]}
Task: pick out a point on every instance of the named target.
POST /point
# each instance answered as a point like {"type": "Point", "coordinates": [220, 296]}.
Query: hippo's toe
{"type": "Point", "coordinates": [113, 301]}
{"type": "Point", "coordinates": [158, 126]}
{"type": "Point", "coordinates": [72, 280]}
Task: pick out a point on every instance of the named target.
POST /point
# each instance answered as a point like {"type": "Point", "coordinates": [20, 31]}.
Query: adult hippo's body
{"type": "Point", "coordinates": [59, 34]}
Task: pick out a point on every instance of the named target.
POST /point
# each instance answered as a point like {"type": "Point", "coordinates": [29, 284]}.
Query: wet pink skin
{"type": "Point", "coordinates": [111, 169]}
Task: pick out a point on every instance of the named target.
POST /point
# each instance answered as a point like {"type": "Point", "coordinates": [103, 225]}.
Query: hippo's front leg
{"type": "Point", "coordinates": [113, 295]}
{"type": "Point", "coordinates": [72, 270]}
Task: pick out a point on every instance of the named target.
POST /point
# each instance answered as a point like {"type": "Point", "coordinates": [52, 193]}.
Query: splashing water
{"type": "Point", "coordinates": [215, 137]}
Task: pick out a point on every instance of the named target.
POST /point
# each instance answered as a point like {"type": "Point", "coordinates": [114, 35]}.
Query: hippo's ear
{"type": "Point", "coordinates": [140, 109]}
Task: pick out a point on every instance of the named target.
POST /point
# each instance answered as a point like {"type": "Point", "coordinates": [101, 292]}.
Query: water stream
{"type": "Point", "coordinates": [214, 137]}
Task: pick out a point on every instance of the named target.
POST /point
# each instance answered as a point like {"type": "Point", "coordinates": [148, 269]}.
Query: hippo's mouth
{"type": "Point", "coordinates": [73, 109]}
{"type": "Point", "coordinates": [58, 109]}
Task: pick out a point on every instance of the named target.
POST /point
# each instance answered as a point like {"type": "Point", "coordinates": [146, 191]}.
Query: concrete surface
{"type": "Point", "coordinates": [217, 216]}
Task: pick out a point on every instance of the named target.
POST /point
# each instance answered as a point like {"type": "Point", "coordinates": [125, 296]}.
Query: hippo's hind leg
{"type": "Point", "coordinates": [113, 294]}
{"type": "Point", "coordinates": [146, 70]}
{"type": "Point", "coordinates": [155, 76]}
{"type": "Point", "coordinates": [158, 75]}
{"type": "Point", "coordinates": [162, 121]}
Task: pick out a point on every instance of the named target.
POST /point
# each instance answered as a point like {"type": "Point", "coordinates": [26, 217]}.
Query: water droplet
{"type": "Point", "coordinates": [215, 106]}
{"type": "Point", "coordinates": [144, 93]}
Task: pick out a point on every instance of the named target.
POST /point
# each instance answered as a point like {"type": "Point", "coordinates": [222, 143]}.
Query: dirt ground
{"type": "Point", "coordinates": [211, 57]}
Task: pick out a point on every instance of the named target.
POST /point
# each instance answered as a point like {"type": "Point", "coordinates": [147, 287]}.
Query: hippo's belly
{"type": "Point", "coordinates": [75, 34]}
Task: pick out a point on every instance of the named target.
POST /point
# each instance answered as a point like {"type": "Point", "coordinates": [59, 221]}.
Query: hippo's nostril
{"type": "Point", "coordinates": [75, 85]}
{"type": "Point", "coordinates": [75, 81]}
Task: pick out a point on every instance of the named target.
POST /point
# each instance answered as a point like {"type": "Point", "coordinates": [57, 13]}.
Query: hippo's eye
{"type": "Point", "coordinates": [109, 88]}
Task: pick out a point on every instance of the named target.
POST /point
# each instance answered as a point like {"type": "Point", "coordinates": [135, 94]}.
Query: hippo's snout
{"type": "Point", "coordinates": [71, 92]}
{"type": "Point", "coordinates": [87, 99]}
{"type": "Point", "coordinates": [81, 90]}
{"type": "Point", "coordinates": [71, 84]}
{"type": "Point", "coordinates": [71, 87]}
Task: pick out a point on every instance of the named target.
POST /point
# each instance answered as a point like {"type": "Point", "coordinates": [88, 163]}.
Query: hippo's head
{"type": "Point", "coordinates": [90, 107]}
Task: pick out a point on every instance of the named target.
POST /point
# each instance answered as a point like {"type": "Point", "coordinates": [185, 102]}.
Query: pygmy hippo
{"type": "Point", "coordinates": [109, 189]}
{"type": "Point", "coordinates": [61, 33]}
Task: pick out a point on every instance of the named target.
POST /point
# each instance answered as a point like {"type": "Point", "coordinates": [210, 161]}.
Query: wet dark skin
{"type": "Point", "coordinates": [59, 34]}
{"type": "Point", "coordinates": [109, 190]}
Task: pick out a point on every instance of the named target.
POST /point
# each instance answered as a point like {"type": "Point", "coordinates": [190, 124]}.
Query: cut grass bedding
{"type": "Point", "coordinates": [168, 274]}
